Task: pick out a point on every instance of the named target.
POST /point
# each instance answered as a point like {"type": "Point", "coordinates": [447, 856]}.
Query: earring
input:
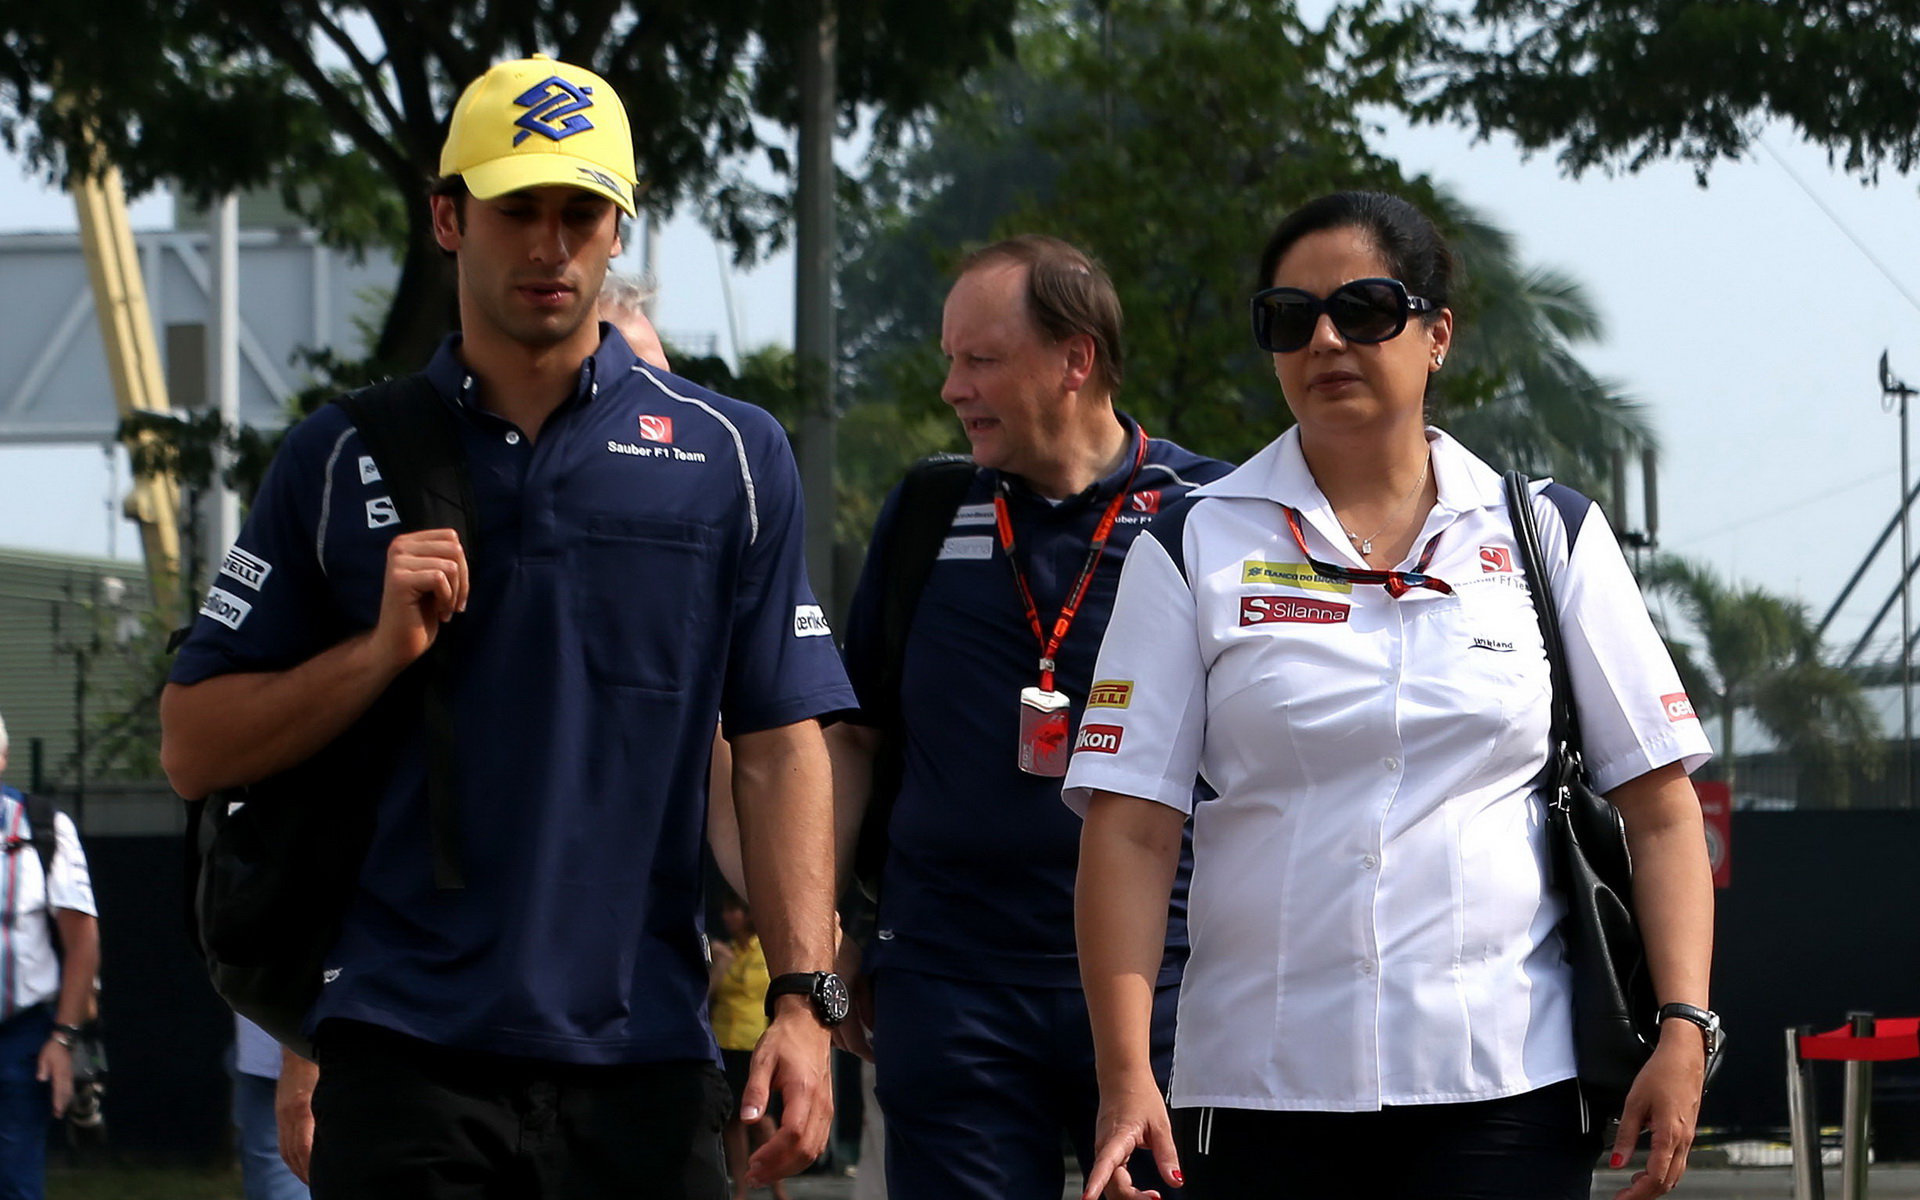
{"type": "Point", "coordinates": [1438, 361]}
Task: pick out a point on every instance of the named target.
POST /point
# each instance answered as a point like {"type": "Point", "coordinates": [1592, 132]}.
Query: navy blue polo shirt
{"type": "Point", "coordinates": [981, 860]}
{"type": "Point", "coordinates": [637, 569]}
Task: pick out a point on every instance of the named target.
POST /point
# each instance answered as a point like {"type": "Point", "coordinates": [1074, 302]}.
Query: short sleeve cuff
{"type": "Point", "coordinates": [1083, 784]}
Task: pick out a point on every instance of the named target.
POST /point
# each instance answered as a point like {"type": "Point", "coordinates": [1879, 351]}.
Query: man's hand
{"type": "Point", "coordinates": [792, 1059]}
{"type": "Point", "coordinates": [426, 583]}
{"type": "Point", "coordinates": [56, 1066]}
{"type": "Point", "coordinates": [293, 1111]}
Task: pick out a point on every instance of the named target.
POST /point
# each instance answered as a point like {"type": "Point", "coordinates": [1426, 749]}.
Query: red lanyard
{"type": "Point", "coordinates": [1050, 646]}
{"type": "Point", "coordinates": [1397, 583]}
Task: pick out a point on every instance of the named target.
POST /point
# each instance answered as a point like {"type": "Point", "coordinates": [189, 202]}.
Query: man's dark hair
{"type": "Point", "coordinates": [455, 187]}
{"type": "Point", "coordinates": [1068, 293]}
{"type": "Point", "coordinates": [1414, 250]}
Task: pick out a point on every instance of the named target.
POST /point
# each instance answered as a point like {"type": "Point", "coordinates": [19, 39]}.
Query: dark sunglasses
{"type": "Point", "coordinates": [1366, 311]}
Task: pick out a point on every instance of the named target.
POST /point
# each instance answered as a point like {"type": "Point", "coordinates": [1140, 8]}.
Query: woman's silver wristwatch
{"type": "Point", "coordinates": [1709, 1023]}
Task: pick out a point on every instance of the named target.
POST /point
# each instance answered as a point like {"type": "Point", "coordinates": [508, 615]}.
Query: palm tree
{"type": "Point", "coordinates": [1759, 652]}
{"type": "Point", "coordinates": [1519, 394]}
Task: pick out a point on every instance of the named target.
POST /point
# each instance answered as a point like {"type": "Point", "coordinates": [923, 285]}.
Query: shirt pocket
{"type": "Point", "coordinates": [643, 599]}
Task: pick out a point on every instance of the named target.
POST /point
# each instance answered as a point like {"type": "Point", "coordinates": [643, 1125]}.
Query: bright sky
{"type": "Point", "coordinates": [1743, 315]}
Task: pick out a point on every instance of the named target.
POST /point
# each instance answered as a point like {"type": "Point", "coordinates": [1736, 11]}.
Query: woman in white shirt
{"type": "Point", "coordinates": [1338, 636]}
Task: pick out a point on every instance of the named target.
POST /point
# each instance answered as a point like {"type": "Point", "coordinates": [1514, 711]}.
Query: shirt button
{"type": "Point", "coordinates": [513, 437]}
{"type": "Point", "coordinates": [1369, 863]}
{"type": "Point", "coordinates": [1392, 764]}
{"type": "Point", "coordinates": [1366, 966]}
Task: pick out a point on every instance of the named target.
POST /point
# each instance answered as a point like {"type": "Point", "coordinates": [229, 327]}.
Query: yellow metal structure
{"type": "Point", "coordinates": [133, 361]}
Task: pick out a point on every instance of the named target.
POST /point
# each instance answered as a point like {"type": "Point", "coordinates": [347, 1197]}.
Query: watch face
{"type": "Point", "coordinates": [830, 999]}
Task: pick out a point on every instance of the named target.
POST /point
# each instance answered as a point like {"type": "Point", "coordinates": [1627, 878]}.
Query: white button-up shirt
{"type": "Point", "coordinates": [1371, 918]}
{"type": "Point", "coordinates": [29, 964]}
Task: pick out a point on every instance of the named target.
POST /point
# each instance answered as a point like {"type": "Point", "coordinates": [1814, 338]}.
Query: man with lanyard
{"type": "Point", "coordinates": [981, 1040]}
{"type": "Point", "coordinates": [636, 568]}
{"type": "Point", "coordinates": [45, 984]}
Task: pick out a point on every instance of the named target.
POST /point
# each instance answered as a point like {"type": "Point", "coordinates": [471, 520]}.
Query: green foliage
{"type": "Point", "coordinates": [1760, 653]}
{"type": "Point", "coordinates": [342, 106]}
{"type": "Point", "coordinates": [1627, 82]}
{"type": "Point", "coordinates": [1169, 140]}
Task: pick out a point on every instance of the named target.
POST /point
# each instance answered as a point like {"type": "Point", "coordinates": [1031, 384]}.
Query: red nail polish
{"type": "Point", "coordinates": [1618, 1160]}
{"type": "Point", "coordinates": [1179, 1180]}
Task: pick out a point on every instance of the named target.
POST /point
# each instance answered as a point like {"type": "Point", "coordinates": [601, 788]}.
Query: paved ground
{"type": "Point", "coordinates": [1887, 1182]}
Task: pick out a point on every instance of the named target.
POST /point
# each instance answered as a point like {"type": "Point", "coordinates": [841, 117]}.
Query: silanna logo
{"type": "Point", "coordinates": [1271, 610]}
{"type": "Point", "coordinates": [553, 100]}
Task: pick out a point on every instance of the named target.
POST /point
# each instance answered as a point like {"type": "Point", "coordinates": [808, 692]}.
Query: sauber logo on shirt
{"type": "Point", "coordinates": [1110, 693]}
{"type": "Point", "coordinates": [1267, 610]}
{"type": "Point", "coordinates": [225, 607]}
{"type": "Point", "coordinates": [249, 569]}
{"type": "Point", "coordinates": [1678, 707]}
{"type": "Point", "coordinates": [1496, 558]}
{"type": "Point", "coordinates": [381, 513]}
{"type": "Point", "coordinates": [656, 429]}
{"type": "Point", "coordinates": [809, 621]}
{"type": "Point", "coordinates": [1144, 502]}
{"type": "Point", "coordinates": [1099, 739]}
{"type": "Point", "coordinates": [1298, 575]}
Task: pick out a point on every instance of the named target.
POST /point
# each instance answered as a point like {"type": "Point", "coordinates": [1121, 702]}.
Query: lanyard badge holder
{"type": "Point", "coordinates": [1046, 716]}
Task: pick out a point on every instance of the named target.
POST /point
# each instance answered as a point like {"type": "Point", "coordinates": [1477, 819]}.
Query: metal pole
{"type": "Point", "coordinates": [1906, 620]}
{"type": "Point", "coordinates": [813, 294]}
{"type": "Point", "coordinates": [1803, 1122]}
{"type": "Point", "coordinates": [1857, 1117]}
{"type": "Point", "coordinates": [223, 359]}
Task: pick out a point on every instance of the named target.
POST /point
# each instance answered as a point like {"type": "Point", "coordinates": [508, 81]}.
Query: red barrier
{"type": "Point", "coordinates": [1894, 1038]}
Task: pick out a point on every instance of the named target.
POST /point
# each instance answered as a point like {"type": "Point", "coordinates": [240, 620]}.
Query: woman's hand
{"type": "Point", "coordinates": [1131, 1118]}
{"type": "Point", "coordinates": [1665, 1100]}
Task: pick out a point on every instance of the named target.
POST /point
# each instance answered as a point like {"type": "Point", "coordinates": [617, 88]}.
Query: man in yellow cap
{"type": "Point", "coordinates": [636, 569]}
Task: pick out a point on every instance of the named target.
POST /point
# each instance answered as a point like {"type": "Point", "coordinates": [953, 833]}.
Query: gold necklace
{"type": "Point", "coordinates": [1366, 543]}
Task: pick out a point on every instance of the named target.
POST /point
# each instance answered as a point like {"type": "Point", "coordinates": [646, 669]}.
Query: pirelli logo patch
{"type": "Point", "coordinates": [1099, 739]}
{"type": "Point", "coordinates": [1678, 707]}
{"type": "Point", "coordinates": [1110, 693]}
{"type": "Point", "coordinates": [1297, 610]}
{"type": "Point", "coordinates": [225, 607]}
{"type": "Point", "coordinates": [1298, 575]}
{"type": "Point", "coordinates": [249, 569]}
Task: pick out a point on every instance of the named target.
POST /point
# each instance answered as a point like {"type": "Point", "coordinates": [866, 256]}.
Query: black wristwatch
{"type": "Point", "coordinates": [1709, 1023]}
{"type": "Point", "coordinates": [823, 989]}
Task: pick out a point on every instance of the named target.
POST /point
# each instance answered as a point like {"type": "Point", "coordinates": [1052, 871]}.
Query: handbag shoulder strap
{"type": "Point", "coordinates": [1565, 733]}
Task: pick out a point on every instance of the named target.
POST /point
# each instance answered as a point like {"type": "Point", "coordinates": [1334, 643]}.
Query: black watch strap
{"type": "Point", "coordinates": [1709, 1022]}
{"type": "Point", "coordinates": [823, 990]}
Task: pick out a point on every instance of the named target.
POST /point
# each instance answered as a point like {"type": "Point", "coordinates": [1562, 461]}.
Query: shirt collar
{"type": "Point", "coordinates": [1279, 473]}
{"type": "Point", "coordinates": [1101, 489]}
{"type": "Point", "coordinates": [612, 359]}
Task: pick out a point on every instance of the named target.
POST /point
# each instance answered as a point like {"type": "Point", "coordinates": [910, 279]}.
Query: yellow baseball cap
{"type": "Point", "coordinates": [535, 122]}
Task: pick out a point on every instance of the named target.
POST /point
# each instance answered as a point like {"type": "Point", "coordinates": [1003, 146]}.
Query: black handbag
{"type": "Point", "coordinates": [1615, 1014]}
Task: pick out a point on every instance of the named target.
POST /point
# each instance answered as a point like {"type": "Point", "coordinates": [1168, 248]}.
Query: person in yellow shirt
{"type": "Point", "coordinates": [737, 995]}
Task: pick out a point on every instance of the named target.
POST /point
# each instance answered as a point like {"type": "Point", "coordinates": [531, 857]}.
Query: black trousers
{"type": "Point", "coordinates": [400, 1119]}
{"type": "Point", "coordinates": [1525, 1147]}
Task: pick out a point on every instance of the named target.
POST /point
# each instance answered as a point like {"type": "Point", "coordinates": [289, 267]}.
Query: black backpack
{"type": "Point", "coordinates": [272, 865]}
{"type": "Point", "coordinates": [929, 495]}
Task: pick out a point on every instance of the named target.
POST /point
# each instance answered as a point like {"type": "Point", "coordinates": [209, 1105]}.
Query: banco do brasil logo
{"type": "Point", "coordinates": [553, 109]}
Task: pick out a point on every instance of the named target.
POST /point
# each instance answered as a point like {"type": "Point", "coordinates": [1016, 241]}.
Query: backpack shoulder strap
{"type": "Point", "coordinates": [929, 495]}
{"type": "Point", "coordinates": [406, 427]}
{"type": "Point", "coordinates": [413, 440]}
{"type": "Point", "coordinates": [41, 830]}
{"type": "Point", "coordinates": [931, 491]}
